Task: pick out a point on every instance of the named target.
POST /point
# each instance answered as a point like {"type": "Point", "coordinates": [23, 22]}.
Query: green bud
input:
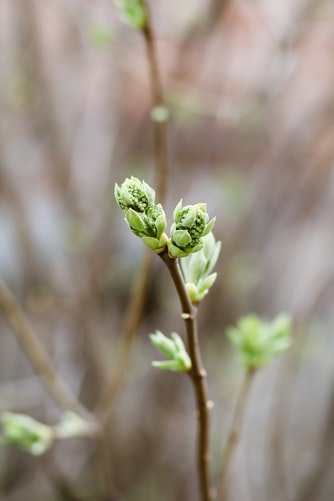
{"type": "Point", "coordinates": [207, 283]}
{"type": "Point", "coordinates": [27, 433]}
{"type": "Point", "coordinates": [133, 12]}
{"type": "Point", "coordinates": [174, 350]}
{"type": "Point", "coordinates": [258, 342]}
{"type": "Point", "coordinates": [156, 221]}
{"type": "Point", "coordinates": [134, 194]}
{"type": "Point", "coordinates": [190, 225]}
{"type": "Point", "coordinates": [156, 245]}
{"type": "Point", "coordinates": [144, 218]}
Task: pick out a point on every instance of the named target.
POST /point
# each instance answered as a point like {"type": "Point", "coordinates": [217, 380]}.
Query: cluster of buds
{"type": "Point", "coordinates": [144, 218]}
{"type": "Point", "coordinates": [189, 227]}
{"type": "Point", "coordinates": [197, 267]}
{"type": "Point", "coordinates": [174, 350]}
{"type": "Point", "coordinates": [257, 342]}
{"type": "Point", "coordinates": [147, 220]}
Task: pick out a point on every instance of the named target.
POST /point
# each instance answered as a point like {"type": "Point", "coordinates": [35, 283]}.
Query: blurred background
{"type": "Point", "coordinates": [249, 85]}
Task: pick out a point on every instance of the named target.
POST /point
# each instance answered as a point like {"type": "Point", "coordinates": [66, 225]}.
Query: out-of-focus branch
{"type": "Point", "coordinates": [37, 354]}
{"type": "Point", "coordinates": [309, 490]}
{"type": "Point", "coordinates": [133, 318]}
{"type": "Point", "coordinates": [234, 433]}
{"type": "Point", "coordinates": [134, 311]}
{"type": "Point", "coordinates": [159, 127]}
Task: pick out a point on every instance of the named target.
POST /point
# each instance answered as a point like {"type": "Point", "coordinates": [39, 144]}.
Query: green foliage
{"type": "Point", "coordinates": [174, 350]}
{"type": "Point", "coordinates": [27, 433]}
{"type": "Point", "coordinates": [133, 12]}
{"type": "Point", "coordinates": [197, 267]}
{"type": "Point", "coordinates": [258, 342]}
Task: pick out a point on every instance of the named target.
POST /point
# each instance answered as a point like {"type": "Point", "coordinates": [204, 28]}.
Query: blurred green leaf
{"type": "Point", "coordinates": [133, 12]}
{"type": "Point", "coordinates": [27, 433]}
{"type": "Point", "coordinates": [257, 342]}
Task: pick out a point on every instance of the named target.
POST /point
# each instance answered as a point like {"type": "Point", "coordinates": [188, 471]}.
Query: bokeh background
{"type": "Point", "coordinates": [249, 85]}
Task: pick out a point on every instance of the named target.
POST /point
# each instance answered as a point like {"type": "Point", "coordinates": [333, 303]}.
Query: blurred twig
{"type": "Point", "coordinates": [132, 321]}
{"type": "Point", "coordinates": [234, 433]}
{"type": "Point", "coordinates": [135, 307]}
{"type": "Point", "coordinates": [159, 127]}
{"type": "Point", "coordinates": [37, 354]}
{"type": "Point", "coordinates": [309, 490]}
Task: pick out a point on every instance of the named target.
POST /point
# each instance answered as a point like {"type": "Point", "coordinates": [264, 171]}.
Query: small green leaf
{"type": "Point", "coordinates": [181, 238]}
{"type": "Point", "coordinates": [160, 225]}
{"type": "Point", "coordinates": [194, 295]}
{"type": "Point", "coordinates": [177, 210]}
{"type": "Point", "coordinates": [172, 365]}
{"type": "Point", "coordinates": [153, 243]}
{"type": "Point", "coordinates": [209, 227]}
{"type": "Point", "coordinates": [135, 221]}
{"type": "Point", "coordinates": [163, 343]}
{"type": "Point", "coordinates": [174, 350]}
{"type": "Point", "coordinates": [208, 282]}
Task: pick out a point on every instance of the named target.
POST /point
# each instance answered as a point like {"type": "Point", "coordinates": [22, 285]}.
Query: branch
{"type": "Point", "coordinates": [133, 319]}
{"type": "Point", "coordinates": [159, 128]}
{"type": "Point", "coordinates": [37, 354]}
{"type": "Point", "coordinates": [234, 433]}
{"type": "Point", "coordinates": [198, 377]}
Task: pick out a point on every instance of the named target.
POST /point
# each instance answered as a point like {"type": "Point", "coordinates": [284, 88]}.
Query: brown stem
{"type": "Point", "coordinates": [234, 433]}
{"type": "Point", "coordinates": [198, 377]}
{"type": "Point", "coordinates": [159, 128]}
{"type": "Point", "coordinates": [37, 354]}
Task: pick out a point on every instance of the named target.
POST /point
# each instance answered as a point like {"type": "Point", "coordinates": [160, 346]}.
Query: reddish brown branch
{"type": "Point", "coordinates": [198, 377]}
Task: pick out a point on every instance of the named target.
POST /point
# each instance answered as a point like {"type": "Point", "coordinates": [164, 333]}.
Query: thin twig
{"type": "Point", "coordinates": [234, 433]}
{"type": "Point", "coordinates": [198, 377]}
{"type": "Point", "coordinates": [159, 128]}
{"type": "Point", "coordinates": [134, 311]}
{"type": "Point", "coordinates": [37, 354]}
{"type": "Point", "coordinates": [133, 317]}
